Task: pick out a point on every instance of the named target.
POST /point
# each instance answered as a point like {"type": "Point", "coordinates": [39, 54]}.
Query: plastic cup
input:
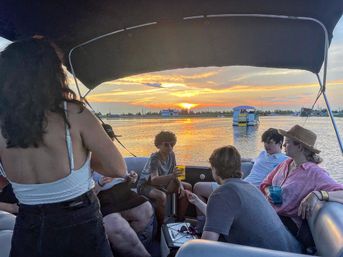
{"type": "Point", "coordinates": [182, 170]}
{"type": "Point", "coordinates": [275, 193]}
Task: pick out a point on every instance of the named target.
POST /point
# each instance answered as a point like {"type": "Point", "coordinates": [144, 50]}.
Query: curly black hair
{"type": "Point", "coordinates": [165, 136]}
{"type": "Point", "coordinates": [32, 83]}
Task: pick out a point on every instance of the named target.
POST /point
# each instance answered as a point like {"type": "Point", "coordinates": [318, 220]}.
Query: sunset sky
{"type": "Point", "coordinates": [221, 88]}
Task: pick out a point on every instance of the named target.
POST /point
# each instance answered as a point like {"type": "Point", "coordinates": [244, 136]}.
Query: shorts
{"type": "Point", "coordinates": [119, 198]}
{"type": "Point", "coordinates": [145, 189]}
{"type": "Point", "coordinates": [70, 228]}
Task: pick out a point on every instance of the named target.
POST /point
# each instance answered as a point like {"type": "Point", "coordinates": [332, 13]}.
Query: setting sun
{"type": "Point", "coordinates": [187, 106]}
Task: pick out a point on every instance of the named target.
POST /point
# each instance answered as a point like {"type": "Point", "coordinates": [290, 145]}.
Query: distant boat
{"type": "Point", "coordinates": [169, 113]}
{"type": "Point", "coordinates": [244, 115]}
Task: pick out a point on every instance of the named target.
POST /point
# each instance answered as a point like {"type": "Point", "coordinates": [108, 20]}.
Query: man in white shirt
{"type": "Point", "coordinates": [264, 163]}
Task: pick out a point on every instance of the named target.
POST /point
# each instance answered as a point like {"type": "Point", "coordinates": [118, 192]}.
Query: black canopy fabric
{"type": "Point", "coordinates": [171, 41]}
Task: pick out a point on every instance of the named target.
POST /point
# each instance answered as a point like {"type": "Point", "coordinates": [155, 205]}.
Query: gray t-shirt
{"type": "Point", "coordinates": [239, 212]}
{"type": "Point", "coordinates": [155, 162]}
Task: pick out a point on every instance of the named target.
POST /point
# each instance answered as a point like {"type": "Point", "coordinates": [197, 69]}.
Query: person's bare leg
{"type": "Point", "coordinates": [139, 217]}
{"type": "Point", "coordinates": [159, 199]}
{"type": "Point", "coordinates": [122, 237]}
{"type": "Point", "coordinates": [203, 190]}
{"type": "Point", "coordinates": [183, 202]}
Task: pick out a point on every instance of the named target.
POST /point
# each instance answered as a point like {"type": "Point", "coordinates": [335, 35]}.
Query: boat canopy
{"type": "Point", "coordinates": [110, 39]}
{"type": "Point", "coordinates": [152, 35]}
{"type": "Point", "coordinates": [244, 107]}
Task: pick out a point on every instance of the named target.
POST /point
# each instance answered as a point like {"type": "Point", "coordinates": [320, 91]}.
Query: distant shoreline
{"type": "Point", "coordinates": [176, 117]}
{"type": "Point", "coordinates": [193, 116]}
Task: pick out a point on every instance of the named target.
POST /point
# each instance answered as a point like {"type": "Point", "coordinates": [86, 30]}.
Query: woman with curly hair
{"type": "Point", "coordinates": [46, 143]}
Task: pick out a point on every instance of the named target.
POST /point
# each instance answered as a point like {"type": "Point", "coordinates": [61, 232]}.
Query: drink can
{"type": "Point", "coordinates": [182, 170]}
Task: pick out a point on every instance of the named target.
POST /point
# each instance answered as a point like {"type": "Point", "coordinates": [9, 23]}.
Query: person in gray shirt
{"type": "Point", "coordinates": [238, 211]}
{"type": "Point", "coordinates": [159, 177]}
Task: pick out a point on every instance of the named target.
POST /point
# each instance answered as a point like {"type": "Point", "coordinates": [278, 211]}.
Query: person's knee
{"type": "Point", "coordinates": [187, 186]}
{"type": "Point", "coordinates": [142, 212]}
{"type": "Point", "coordinates": [160, 198]}
{"type": "Point", "coordinates": [147, 211]}
{"type": "Point", "coordinates": [114, 223]}
{"type": "Point", "coordinates": [197, 188]}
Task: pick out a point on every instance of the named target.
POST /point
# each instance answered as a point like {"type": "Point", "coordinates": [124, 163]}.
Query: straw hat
{"type": "Point", "coordinates": [302, 135]}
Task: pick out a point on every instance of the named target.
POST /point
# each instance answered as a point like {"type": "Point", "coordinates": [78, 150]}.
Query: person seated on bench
{"type": "Point", "coordinates": [159, 176]}
{"type": "Point", "coordinates": [128, 217]}
{"type": "Point", "coordinates": [302, 182]}
{"type": "Point", "coordinates": [265, 162]}
{"type": "Point", "coordinates": [238, 211]}
{"type": "Point", "coordinates": [8, 201]}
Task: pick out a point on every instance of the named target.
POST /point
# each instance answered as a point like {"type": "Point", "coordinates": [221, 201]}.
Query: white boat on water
{"type": "Point", "coordinates": [244, 115]}
{"type": "Point", "coordinates": [108, 40]}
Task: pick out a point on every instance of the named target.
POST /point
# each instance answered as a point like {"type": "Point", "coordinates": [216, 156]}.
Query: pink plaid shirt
{"type": "Point", "coordinates": [304, 179]}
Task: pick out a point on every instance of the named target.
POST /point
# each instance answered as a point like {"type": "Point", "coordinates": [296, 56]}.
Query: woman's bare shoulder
{"type": "Point", "coordinates": [74, 108]}
{"type": "Point", "coordinates": [82, 116]}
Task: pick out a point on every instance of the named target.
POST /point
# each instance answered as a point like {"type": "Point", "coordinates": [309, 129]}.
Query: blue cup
{"type": "Point", "coordinates": [275, 194]}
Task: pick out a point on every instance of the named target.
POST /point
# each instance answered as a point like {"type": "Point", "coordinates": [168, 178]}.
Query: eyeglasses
{"type": "Point", "coordinates": [167, 144]}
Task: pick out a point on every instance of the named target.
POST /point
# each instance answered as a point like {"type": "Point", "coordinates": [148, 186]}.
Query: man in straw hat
{"type": "Point", "coordinates": [302, 181]}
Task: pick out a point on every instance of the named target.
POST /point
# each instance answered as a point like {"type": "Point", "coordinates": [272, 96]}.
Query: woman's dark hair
{"type": "Point", "coordinates": [165, 136]}
{"type": "Point", "coordinates": [32, 83]}
{"type": "Point", "coordinates": [270, 134]}
{"type": "Point", "coordinates": [227, 162]}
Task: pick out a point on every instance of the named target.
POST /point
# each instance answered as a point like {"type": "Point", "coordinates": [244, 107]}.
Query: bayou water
{"type": "Point", "coordinates": [197, 137]}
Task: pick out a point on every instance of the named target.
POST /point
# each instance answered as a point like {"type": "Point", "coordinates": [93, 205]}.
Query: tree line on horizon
{"type": "Point", "coordinates": [207, 113]}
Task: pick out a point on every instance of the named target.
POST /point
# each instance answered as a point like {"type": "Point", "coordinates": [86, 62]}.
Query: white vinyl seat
{"type": "Point", "coordinates": [7, 221]}
{"type": "Point", "coordinates": [5, 242]}
{"type": "Point", "coordinates": [206, 248]}
{"type": "Point", "coordinates": [326, 224]}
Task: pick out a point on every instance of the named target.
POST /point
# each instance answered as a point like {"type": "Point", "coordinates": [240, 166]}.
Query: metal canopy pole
{"type": "Point", "coordinates": [322, 85]}
{"type": "Point", "coordinates": [213, 16]}
{"type": "Point", "coordinates": [323, 88]}
{"type": "Point", "coordinates": [333, 122]}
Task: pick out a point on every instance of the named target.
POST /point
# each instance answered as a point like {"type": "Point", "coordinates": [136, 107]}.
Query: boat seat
{"type": "Point", "coordinates": [137, 164]}
{"type": "Point", "coordinates": [5, 242]}
{"type": "Point", "coordinates": [326, 224]}
{"type": "Point", "coordinates": [206, 248]}
{"type": "Point", "coordinates": [246, 168]}
{"type": "Point", "coordinates": [7, 221]}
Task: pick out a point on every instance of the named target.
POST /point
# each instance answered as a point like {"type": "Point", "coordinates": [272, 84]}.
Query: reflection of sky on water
{"type": "Point", "coordinates": [197, 138]}
{"type": "Point", "coordinates": [246, 139]}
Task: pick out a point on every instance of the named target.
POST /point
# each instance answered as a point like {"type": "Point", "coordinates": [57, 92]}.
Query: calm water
{"type": "Point", "coordinates": [197, 137]}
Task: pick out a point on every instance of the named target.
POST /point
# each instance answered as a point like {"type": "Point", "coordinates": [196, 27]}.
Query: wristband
{"type": "Point", "coordinates": [318, 195]}
{"type": "Point", "coordinates": [101, 185]}
{"type": "Point", "coordinates": [325, 195]}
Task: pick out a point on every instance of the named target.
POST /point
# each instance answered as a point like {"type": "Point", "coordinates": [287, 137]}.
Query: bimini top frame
{"type": "Point", "coordinates": [322, 81]}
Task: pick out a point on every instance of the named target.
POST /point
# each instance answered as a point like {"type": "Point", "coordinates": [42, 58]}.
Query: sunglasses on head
{"type": "Point", "coordinates": [167, 144]}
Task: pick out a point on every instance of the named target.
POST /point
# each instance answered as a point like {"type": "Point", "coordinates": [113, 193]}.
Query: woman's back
{"type": "Point", "coordinates": [48, 162]}
{"type": "Point", "coordinates": [46, 142]}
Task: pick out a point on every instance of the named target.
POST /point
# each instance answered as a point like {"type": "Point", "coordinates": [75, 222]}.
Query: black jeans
{"type": "Point", "coordinates": [303, 234]}
{"type": "Point", "coordinates": [72, 228]}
